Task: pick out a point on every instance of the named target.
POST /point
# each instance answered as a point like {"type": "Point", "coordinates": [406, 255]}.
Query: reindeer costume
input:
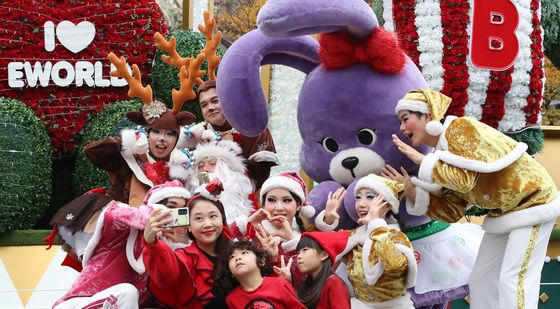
{"type": "Point", "coordinates": [131, 167]}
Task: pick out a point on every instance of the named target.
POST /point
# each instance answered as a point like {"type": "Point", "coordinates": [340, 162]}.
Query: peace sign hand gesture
{"type": "Point", "coordinates": [284, 270]}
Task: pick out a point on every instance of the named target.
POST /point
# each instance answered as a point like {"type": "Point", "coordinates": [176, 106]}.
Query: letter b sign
{"type": "Point", "coordinates": [494, 45]}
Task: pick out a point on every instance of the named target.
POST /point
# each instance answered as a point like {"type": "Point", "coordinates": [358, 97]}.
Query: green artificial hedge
{"type": "Point", "coordinates": [164, 77]}
{"type": "Point", "coordinates": [109, 122]}
{"type": "Point", "coordinates": [533, 137]}
{"type": "Point", "coordinates": [25, 166]}
{"type": "Point", "coordinates": [551, 24]}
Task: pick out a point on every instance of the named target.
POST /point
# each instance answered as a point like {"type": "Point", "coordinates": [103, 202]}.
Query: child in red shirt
{"type": "Point", "coordinates": [316, 257]}
{"type": "Point", "coordinates": [242, 276]}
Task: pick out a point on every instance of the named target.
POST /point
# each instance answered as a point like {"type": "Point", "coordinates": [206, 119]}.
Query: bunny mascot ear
{"type": "Point", "coordinates": [287, 18]}
{"type": "Point", "coordinates": [239, 88]}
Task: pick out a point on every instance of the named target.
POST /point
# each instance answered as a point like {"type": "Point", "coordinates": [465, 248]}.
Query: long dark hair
{"type": "Point", "coordinates": [222, 242]}
{"type": "Point", "coordinates": [299, 222]}
{"type": "Point", "coordinates": [310, 292]}
{"type": "Point", "coordinates": [224, 282]}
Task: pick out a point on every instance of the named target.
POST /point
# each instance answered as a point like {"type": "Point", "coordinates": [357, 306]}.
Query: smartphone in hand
{"type": "Point", "coordinates": [180, 217]}
{"type": "Point", "coordinates": [203, 178]}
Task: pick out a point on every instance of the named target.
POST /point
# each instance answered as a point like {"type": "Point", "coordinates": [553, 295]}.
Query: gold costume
{"type": "Point", "coordinates": [476, 164]}
{"type": "Point", "coordinates": [395, 272]}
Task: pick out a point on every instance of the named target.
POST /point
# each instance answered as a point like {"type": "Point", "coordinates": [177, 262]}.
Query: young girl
{"type": "Point", "coordinates": [316, 258]}
{"type": "Point", "coordinates": [183, 278]}
{"type": "Point", "coordinates": [380, 260]}
{"type": "Point", "coordinates": [475, 164]}
{"type": "Point", "coordinates": [242, 276]}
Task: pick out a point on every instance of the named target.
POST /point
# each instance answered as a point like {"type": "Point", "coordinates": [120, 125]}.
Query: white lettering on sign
{"type": "Point", "coordinates": [62, 73]}
{"type": "Point", "coordinates": [75, 38]}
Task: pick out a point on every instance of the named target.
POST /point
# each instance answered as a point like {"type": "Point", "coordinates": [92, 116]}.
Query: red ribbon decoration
{"type": "Point", "coordinates": [380, 50]}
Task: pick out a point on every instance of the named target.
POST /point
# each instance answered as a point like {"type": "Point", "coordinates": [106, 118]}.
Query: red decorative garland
{"type": "Point", "coordinates": [493, 109]}
{"type": "Point", "coordinates": [532, 109]}
{"type": "Point", "coordinates": [454, 22]}
{"type": "Point", "coordinates": [403, 16]}
{"type": "Point", "coordinates": [123, 27]}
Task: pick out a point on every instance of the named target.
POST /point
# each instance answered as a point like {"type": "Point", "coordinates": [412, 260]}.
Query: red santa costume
{"type": "Point", "coordinates": [237, 196]}
{"type": "Point", "coordinates": [113, 272]}
{"type": "Point", "coordinates": [182, 278]}
{"type": "Point", "coordinates": [334, 294]}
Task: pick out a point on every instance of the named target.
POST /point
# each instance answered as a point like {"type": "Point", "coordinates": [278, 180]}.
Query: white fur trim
{"type": "Point", "coordinates": [442, 142]}
{"type": "Point", "coordinates": [426, 167]}
{"type": "Point", "coordinates": [378, 187]}
{"type": "Point", "coordinates": [96, 237]}
{"type": "Point", "coordinates": [128, 139]}
{"type": "Point", "coordinates": [480, 166]}
{"type": "Point", "coordinates": [177, 171]}
{"type": "Point", "coordinates": [241, 222]}
{"type": "Point", "coordinates": [412, 266]}
{"type": "Point", "coordinates": [291, 245]}
{"type": "Point", "coordinates": [428, 186]}
{"type": "Point", "coordinates": [128, 155]}
{"type": "Point", "coordinates": [321, 225]}
{"type": "Point", "coordinates": [358, 238]}
{"type": "Point", "coordinates": [168, 192]}
{"type": "Point", "coordinates": [225, 150]}
{"type": "Point", "coordinates": [136, 264]}
{"type": "Point", "coordinates": [412, 105]}
{"type": "Point", "coordinates": [282, 182]}
{"type": "Point", "coordinates": [307, 211]}
{"type": "Point", "coordinates": [375, 224]}
{"type": "Point", "coordinates": [265, 156]}
{"type": "Point", "coordinates": [421, 203]}
{"type": "Point", "coordinates": [434, 128]}
{"type": "Point", "coordinates": [371, 274]}
{"type": "Point", "coordinates": [521, 218]}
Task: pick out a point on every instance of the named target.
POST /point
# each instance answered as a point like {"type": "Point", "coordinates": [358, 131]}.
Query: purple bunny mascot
{"type": "Point", "coordinates": [345, 116]}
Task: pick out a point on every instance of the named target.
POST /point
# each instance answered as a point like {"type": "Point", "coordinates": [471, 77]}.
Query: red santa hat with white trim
{"type": "Point", "coordinates": [292, 182]}
{"type": "Point", "coordinates": [168, 189]}
{"type": "Point", "coordinates": [333, 243]}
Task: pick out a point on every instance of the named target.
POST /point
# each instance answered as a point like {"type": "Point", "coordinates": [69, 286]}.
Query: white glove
{"type": "Point", "coordinates": [265, 156]}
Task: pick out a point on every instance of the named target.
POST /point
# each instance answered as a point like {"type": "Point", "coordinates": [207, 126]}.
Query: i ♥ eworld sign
{"type": "Point", "coordinates": [53, 57]}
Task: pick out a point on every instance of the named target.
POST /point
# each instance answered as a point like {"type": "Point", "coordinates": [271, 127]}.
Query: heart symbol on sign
{"type": "Point", "coordinates": [75, 37]}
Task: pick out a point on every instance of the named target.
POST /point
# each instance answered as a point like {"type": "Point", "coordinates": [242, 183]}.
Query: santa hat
{"type": "Point", "coordinates": [292, 182]}
{"type": "Point", "coordinates": [228, 151]}
{"type": "Point", "coordinates": [391, 190]}
{"type": "Point", "coordinates": [332, 242]}
{"type": "Point", "coordinates": [168, 189]}
{"type": "Point", "coordinates": [427, 102]}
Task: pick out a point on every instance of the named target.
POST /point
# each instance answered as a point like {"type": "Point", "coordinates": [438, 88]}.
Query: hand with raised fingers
{"type": "Point", "coordinates": [409, 151]}
{"type": "Point", "coordinates": [378, 209]}
{"type": "Point", "coordinates": [155, 224]}
{"type": "Point", "coordinates": [334, 201]}
{"type": "Point", "coordinates": [268, 243]}
{"type": "Point", "coordinates": [285, 232]}
{"type": "Point", "coordinates": [258, 216]}
{"type": "Point", "coordinates": [284, 270]}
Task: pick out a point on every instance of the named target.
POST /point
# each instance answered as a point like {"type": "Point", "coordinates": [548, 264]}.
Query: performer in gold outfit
{"type": "Point", "coordinates": [474, 164]}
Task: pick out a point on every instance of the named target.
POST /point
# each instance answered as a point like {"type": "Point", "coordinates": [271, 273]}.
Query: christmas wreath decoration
{"type": "Point", "coordinates": [25, 172]}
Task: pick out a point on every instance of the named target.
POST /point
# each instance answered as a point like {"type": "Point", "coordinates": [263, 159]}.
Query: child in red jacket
{"type": "Point", "coordinates": [322, 289]}
{"type": "Point", "coordinates": [242, 276]}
